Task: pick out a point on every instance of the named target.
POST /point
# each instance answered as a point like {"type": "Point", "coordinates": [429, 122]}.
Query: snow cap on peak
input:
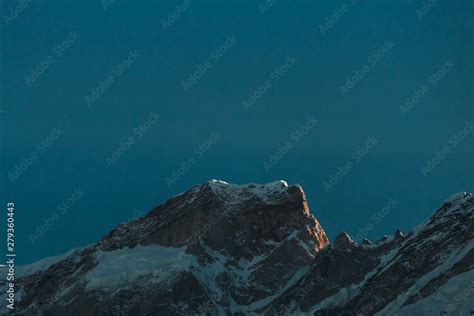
{"type": "Point", "coordinates": [366, 241]}
{"type": "Point", "coordinates": [232, 193]}
{"type": "Point", "coordinates": [458, 198]}
{"type": "Point", "coordinates": [271, 186]}
{"type": "Point", "coordinates": [343, 241]}
{"type": "Point", "coordinates": [461, 202]}
{"type": "Point", "coordinates": [456, 201]}
{"type": "Point", "coordinates": [217, 182]}
{"type": "Point", "coordinates": [398, 235]}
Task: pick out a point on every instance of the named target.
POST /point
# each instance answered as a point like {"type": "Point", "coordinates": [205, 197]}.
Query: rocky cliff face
{"type": "Point", "coordinates": [427, 272]}
{"type": "Point", "coordinates": [222, 249]}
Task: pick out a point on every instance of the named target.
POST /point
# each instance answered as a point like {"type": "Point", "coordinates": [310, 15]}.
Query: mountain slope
{"type": "Point", "coordinates": [216, 246]}
{"type": "Point", "coordinates": [399, 275]}
{"type": "Point", "coordinates": [256, 249]}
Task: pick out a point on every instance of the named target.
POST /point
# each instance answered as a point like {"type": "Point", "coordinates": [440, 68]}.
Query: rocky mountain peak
{"type": "Point", "coordinates": [398, 235]}
{"type": "Point", "coordinates": [236, 244]}
{"type": "Point", "coordinates": [229, 249]}
{"type": "Point", "coordinates": [343, 241]}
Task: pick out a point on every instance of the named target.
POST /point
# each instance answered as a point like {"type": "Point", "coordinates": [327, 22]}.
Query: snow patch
{"type": "Point", "coordinates": [43, 264]}
{"type": "Point", "coordinates": [446, 265]}
{"type": "Point", "coordinates": [235, 194]}
{"type": "Point", "coordinates": [455, 297]}
{"type": "Point", "coordinates": [458, 199]}
{"type": "Point", "coordinates": [123, 266]}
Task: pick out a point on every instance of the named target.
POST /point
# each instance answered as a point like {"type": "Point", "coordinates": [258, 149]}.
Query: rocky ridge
{"type": "Point", "coordinates": [223, 249]}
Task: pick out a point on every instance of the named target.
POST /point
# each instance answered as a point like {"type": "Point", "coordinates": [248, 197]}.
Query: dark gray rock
{"type": "Point", "coordinates": [221, 249]}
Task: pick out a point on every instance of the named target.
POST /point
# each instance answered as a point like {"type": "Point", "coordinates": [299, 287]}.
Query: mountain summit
{"type": "Point", "coordinates": [225, 249]}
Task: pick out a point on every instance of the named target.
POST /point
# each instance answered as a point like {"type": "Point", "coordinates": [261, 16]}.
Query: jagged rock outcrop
{"type": "Point", "coordinates": [344, 241]}
{"type": "Point", "coordinates": [222, 249]}
{"type": "Point", "coordinates": [215, 245]}
{"type": "Point", "coordinates": [427, 272]}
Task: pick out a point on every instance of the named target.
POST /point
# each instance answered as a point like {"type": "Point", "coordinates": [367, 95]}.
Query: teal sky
{"type": "Point", "coordinates": [134, 62]}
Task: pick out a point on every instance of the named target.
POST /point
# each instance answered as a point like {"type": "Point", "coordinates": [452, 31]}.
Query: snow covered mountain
{"type": "Point", "coordinates": [223, 249]}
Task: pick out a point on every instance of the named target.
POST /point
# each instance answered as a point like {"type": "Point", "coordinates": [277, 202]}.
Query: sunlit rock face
{"type": "Point", "coordinates": [429, 271]}
{"type": "Point", "coordinates": [216, 246]}
{"type": "Point", "coordinates": [224, 249]}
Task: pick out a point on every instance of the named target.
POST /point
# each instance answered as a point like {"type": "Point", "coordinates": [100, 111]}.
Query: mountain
{"type": "Point", "coordinates": [224, 249]}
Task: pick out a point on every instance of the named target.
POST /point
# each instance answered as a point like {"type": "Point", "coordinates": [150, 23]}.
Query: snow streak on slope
{"type": "Point", "coordinates": [253, 249]}
{"type": "Point", "coordinates": [124, 266]}
{"type": "Point", "coordinates": [456, 297]}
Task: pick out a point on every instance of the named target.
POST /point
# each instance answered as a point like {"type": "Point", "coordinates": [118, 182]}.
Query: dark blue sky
{"type": "Point", "coordinates": [392, 52]}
